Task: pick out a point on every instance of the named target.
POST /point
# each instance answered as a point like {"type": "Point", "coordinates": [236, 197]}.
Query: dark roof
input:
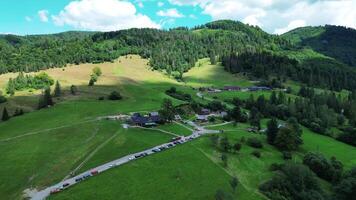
{"type": "Point", "coordinates": [138, 119]}
{"type": "Point", "coordinates": [232, 87]}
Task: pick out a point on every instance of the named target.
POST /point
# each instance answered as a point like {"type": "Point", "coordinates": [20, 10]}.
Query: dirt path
{"type": "Point", "coordinates": [180, 124]}
{"type": "Point", "coordinates": [157, 129]}
{"type": "Point", "coordinates": [90, 156]}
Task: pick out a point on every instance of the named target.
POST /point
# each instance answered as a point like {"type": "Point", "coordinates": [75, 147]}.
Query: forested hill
{"type": "Point", "coordinates": [334, 41]}
{"type": "Point", "coordinates": [177, 50]}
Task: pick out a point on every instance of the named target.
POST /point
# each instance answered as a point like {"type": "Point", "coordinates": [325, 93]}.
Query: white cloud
{"type": "Point", "coordinates": [292, 25]}
{"type": "Point", "coordinates": [102, 15]}
{"type": "Point", "coordinates": [170, 13]}
{"type": "Point", "coordinates": [276, 15]}
{"type": "Point", "coordinates": [140, 4]}
{"type": "Point", "coordinates": [193, 16]}
{"type": "Point", "coordinates": [160, 4]}
{"type": "Point", "coordinates": [43, 14]}
{"type": "Point", "coordinates": [28, 19]}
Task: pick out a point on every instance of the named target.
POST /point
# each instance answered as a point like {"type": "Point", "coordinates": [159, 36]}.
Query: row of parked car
{"type": "Point", "coordinates": [174, 141]}
{"type": "Point", "coordinates": [65, 185]}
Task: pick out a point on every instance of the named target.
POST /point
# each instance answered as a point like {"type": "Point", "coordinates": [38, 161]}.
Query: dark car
{"type": "Point", "coordinates": [138, 156]}
{"type": "Point", "coordinates": [65, 185]}
{"type": "Point", "coordinates": [144, 154]}
{"type": "Point", "coordinates": [78, 179]}
{"type": "Point", "coordinates": [162, 148]}
{"type": "Point", "coordinates": [86, 176]}
{"type": "Point", "coordinates": [170, 145]}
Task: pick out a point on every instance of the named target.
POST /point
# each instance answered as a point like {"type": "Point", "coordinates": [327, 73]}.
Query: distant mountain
{"type": "Point", "coordinates": [334, 41]}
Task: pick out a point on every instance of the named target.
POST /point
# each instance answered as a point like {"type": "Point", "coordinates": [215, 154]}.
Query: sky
{"type": "Point", "coordinates": [24, 17]}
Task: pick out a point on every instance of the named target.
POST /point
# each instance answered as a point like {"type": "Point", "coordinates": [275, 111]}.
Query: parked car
{"type": "Point", "coordinates": [94, 172]}
{"type": "Point", "coordinates": [54, 191]}
{"type": "Point", "coordinates": [131, 158]}
{"type": "Point", "coordinates": [112, 165]}
{"type": "Point", "coordinates": [138, 156]}
{"type": "Point", "coordinates": [170, 145]}
{"type": "Point", "coordinates": [162, 148]}
{"type": "Point", "coordinates": [86, 176]}
{"type": "Point", "coordinates": [156, 150]}
{"type": "Point", "coordinates": [175, 139]}
{"type": "Point", "coordinates": [78, 179]}
{"type": "Point", "coordinates": [144, 154]}
{"type": "Point", "coordinates": [65, 185]}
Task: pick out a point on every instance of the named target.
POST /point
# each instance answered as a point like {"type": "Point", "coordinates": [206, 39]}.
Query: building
{"type": "Point", "coordinates": [232, 88]}
{"type": "Point", "coordinates": [259, 88]}
{"type": "Point", "coordinates": [204, 111]}
{"type": "Point", "coordinates": [202, 118]}
{"type": "Point", "coordinates": [152, 120]}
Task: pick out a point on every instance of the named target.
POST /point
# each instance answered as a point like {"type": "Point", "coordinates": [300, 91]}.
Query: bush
{"type": "Point", "coordinates": [254, 142]}
{"type": "Point", "coordinates": [2, 99]}
{"type": "Point", "coordinates": [329, 170]}
{"type": "Point", "coordinates": [257, 154]}
{"type": "Point", "coordinates": [295, 181]}
{"type": "Point", "coordinates": [115, 96]}
{"type": "Point", "coordinates": [276, 167]}
{"type": "Point", "coordinates": [101, 98]}
{"type": "Point", "coordinates": [287, 155]}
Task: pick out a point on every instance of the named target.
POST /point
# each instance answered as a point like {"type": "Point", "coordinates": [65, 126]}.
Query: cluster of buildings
{"type": "Point", "coordinates": [205, 113]}
{"type": "Point", "coordinates": [235, 88]}
{"type": "Point", "coordinates": [152, 119]}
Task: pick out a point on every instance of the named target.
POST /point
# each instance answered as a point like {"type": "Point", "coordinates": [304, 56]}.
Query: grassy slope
{"type": "Point", "coordinates": [180, 173]}
{"type": "Point", "coordinates": [58, 144]}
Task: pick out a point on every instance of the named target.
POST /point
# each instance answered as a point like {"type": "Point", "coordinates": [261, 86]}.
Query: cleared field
{"type": "Point", "coordinates": [205, 75]}
{"type": "Point", "coordinates": [43, 159]}
{"type": "Point", "coordinates": [180, 173]}
{"type": "Point", "coordinates": [129, 75]}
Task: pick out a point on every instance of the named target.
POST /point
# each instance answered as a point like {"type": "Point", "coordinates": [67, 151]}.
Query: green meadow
{"type": "Point", "coordinates": [42, 147]}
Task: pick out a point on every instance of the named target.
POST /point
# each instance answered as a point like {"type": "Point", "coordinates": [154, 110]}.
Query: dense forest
{"type": "Point", "coordinates": [316, 72]}
{"type": "Point", "coordinates": [177, 50]}
{"type": "Point", "coordinates": [335, 41]}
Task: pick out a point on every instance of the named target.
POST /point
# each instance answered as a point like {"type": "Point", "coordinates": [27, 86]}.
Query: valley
{"type": "Point", "coordinates": [39, 153]}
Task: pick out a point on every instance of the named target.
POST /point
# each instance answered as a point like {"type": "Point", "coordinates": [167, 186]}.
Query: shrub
{"type": "Point", "coordinates": [115, 96]}
{"type": "Point", "coordinates": [2, 99]}
{"type": "Point", "coordinates": [254, 142]}
{"type": "Point", "coordinates": [330, 170]}
{"type": "Point", "coordinates": [276, 166]}
{"type": "Point", "coordinates": [101, 98]}
{"type": "Point", "coordinates": [287, 155]}
{"type": "Point", "coordinates": [257, 154]}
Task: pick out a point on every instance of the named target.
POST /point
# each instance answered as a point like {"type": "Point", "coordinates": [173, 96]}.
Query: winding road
{"type": "Point", "coordinates": [43, 194]}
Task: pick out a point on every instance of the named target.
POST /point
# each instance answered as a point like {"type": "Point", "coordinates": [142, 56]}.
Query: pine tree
{"type": "Point", "coordinates": [46, 99]}
{"type": "Point", "coordinates": [272, 130]}
{"type": "Point", "coordinates": [73, 90]}
{"type": "Point", "coordinates": [5, 115]}
{"type": "Point", "coordinates": [10, 89]}
{"type": "Point", "coordinates": [57, 90]}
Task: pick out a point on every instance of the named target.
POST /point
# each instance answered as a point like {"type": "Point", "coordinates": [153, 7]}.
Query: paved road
{"type": "Point", "coordinates": [43, 194]}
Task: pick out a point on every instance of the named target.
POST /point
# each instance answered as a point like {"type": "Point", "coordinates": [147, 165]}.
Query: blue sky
{"type": "Point", "coordinates": [275, 16]}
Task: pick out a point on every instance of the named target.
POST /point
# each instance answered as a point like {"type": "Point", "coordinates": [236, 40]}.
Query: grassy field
{"type": "Point", "coordinates": [176, 128]}
{"type": "Point", "coordinates": [42, 147]}
{"type": "Point", "coordinates": [45, 158]}
{"type": "Point", "coordinates": [130, 76]}
{"type": "Point", "coordinates": [205, 75]}
{"type": "Point", "coordinates": [180, 173]}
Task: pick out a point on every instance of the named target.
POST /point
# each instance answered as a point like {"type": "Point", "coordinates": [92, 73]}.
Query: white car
{"type": "Point", "coordinates": [112, 165]}
{"type": "Point", "coordinates": [131, 158]}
